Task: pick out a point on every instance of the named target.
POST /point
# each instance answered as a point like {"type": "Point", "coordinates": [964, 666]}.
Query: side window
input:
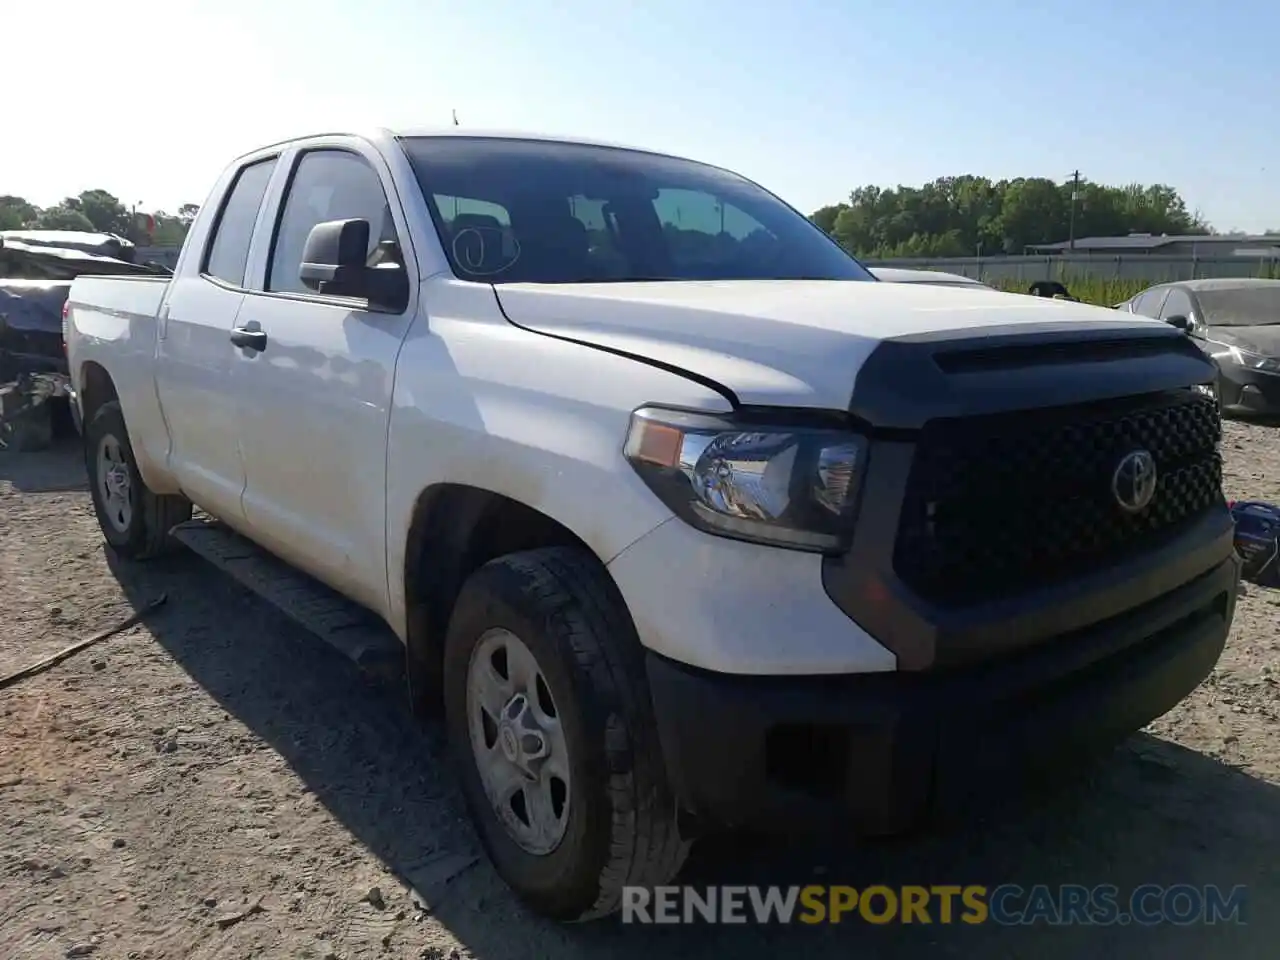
{"type": "Point", "coordinates": [1178, 305]}
{"type": "Point", "coordinates": [228, 251]}
{"type": "Point", "coordinates": [329, 185]}
{"type": "Point", "coordinates": [1148, 305]}
{"type": "Point", "coordinates": [702, 229]}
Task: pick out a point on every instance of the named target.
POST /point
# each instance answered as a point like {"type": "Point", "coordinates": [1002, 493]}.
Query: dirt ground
{"type": "Point", "coordinates": [219, 784]}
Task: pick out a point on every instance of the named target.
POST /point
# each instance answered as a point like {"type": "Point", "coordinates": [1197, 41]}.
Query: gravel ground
{"type": "Point", "coordinates": [218, 784]}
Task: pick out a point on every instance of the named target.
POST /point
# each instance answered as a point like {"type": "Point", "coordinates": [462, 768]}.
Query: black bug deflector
{"type": "Point", "coordinates": [1009, 537]}
{"type": "Point", "coordinates": [908, 381]}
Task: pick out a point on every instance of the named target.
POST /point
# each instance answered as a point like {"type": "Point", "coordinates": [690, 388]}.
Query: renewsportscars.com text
{"type": "Point", "coordinates": [1004, 905]}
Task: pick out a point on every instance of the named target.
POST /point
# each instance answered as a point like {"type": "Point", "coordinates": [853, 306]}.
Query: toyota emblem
{"type": "Point", "coordinates": [1134, 482]}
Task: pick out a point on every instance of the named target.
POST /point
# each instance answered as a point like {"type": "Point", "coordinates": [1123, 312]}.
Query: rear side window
{"type": "Point", "coordinates": [228, 252]}
{"type": "Point", "coordinates": [1149, 303]}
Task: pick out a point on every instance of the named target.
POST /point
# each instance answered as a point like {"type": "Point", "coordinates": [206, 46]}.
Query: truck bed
{"type": "Point", "coordinates": [120, 311]}
{"type": "Point", "coordinates": [103, 304]}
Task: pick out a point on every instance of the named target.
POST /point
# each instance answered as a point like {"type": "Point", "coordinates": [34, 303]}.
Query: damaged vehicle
{"type": "Point", "coordinates": [36, 270]}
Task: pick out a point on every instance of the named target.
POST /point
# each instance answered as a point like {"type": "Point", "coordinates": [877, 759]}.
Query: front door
{"type": "Point", "coordinates": [194, 354]}
{"type": "Point", "coordinates": [315, 400]}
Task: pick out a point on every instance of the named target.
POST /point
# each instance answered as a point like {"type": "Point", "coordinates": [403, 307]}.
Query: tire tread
{"type": "Point", "coordinates": [581, 603]}
{"type": "Point", "coordinates": [158, 513]}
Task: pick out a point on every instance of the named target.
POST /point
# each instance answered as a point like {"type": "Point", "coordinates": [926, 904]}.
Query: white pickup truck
{"type": "Point", "coordinates": [684, 520]}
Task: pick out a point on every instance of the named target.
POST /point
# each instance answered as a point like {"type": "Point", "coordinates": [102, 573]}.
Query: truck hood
{"type": "Point", "coordinates": [793, 343]}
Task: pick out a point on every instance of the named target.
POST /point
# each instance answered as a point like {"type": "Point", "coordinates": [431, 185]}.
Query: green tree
{"type": "Point", "coordinates": [62, 217]}
{"type": "Point", "coordinates": [826, 217]}
{"type": "Point", "coordinates": [967, 215]}
{"type": "Point", "coordinates": [169, 231]}
{"type": "Point", "coordinates": [104, 211]}
{"type": "Point", "coordinates": [100, 212]}
{"type": "Point", "coordinates": [1033, 210]}
{"type": "Point", "coordinates": [16, 213]}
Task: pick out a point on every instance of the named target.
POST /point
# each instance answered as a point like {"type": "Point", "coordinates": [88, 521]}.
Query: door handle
{"type": "Point", "coordinates": [249, 339]}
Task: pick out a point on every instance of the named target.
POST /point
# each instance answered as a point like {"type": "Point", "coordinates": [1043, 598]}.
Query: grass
{"type": "Point", "coordinates": [1100, 290]}
{"type": "Point", "coordinates": [1104, 291]}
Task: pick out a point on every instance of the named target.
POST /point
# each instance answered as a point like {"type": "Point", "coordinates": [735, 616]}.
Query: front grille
{"type": "Point", "coordinates": [1000, 504]}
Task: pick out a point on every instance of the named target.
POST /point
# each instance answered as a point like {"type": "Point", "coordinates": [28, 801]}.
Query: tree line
{"type": "Point", "coordinates": [975, 216]}
{"type": "Point", "coordinates": [949, 217]}
{"type": "Point", "coordinates": [97, 211]}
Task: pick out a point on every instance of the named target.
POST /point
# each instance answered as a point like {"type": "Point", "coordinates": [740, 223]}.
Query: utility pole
{"type": "Point", "coordinates": [455, 118]}
{"type": "Point", "coordinates": [1075, 195]}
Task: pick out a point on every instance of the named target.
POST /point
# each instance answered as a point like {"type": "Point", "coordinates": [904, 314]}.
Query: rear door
{"type": "Point", "coordinates": [194, 352]}
{"type": "Point", "coordinates": [315, 402]}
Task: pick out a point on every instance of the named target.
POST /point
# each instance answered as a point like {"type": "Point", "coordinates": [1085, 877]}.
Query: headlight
{"type": "Point", "coordinates": [1253, 361]}
{"type": "Point", "coordinates": [787, 486]}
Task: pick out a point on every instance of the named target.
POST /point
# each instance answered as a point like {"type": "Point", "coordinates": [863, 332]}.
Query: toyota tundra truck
{"type": "Point", "coordinates": [679, 518]}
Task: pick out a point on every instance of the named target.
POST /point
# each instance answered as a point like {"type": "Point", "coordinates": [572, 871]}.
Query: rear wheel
{"type": "Point", "coordinates": [550, 721]}
{"type": "Point", "coordinates": [134, 520]}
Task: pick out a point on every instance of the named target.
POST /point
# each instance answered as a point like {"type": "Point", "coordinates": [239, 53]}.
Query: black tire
{"type": "Point", "coordinates": [152, 515]}
{"type": "Point", "coordinates": [621, 826]}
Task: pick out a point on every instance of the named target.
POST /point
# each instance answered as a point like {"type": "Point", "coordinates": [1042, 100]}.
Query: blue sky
{"type": "Point", "coordinates": [810, 97]}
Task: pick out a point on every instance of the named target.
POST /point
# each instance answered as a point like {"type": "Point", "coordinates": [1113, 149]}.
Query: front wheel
{"type": "Point", "coordinates": [550, 721]}
{"type": "Point", "coordinates": [134, 521]}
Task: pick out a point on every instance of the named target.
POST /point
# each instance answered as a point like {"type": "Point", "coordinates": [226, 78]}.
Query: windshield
{"type": "Point", "coordinates": [1251, 306]}
{"type": "Point", "coordinates": [530, 211]}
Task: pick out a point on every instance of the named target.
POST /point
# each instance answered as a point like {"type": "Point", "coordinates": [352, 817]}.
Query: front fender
{"type": "Point", "coordinates": [537, 420]}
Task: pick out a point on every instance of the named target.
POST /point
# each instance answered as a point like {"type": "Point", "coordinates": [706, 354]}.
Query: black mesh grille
{"type": "Point", "coordinates": [996, 505]}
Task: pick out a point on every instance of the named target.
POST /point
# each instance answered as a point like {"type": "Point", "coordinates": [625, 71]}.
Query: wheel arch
{"type": "Point", "coordinates": [148, 432]}
{"type": "Point", "coordinates": [96, 388]}
{"type": "Point", "coordinates": [455, 529]}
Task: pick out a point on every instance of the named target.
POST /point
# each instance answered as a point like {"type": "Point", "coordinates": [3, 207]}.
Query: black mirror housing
{"type": "Point", "coordinates": [335, 261]}
{"type": "Point", "coordinates": [1179, 321]}
{"type": "Point", "coordinates": [334, 256]}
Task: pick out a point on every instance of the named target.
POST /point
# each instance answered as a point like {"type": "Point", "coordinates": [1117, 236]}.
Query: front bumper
{"type": "Point", "coordinates": [861, 698]}
{"type": "Point", "coordinates": [1244, 390]}
{"type": "Point", "coordinates": [880, 753]}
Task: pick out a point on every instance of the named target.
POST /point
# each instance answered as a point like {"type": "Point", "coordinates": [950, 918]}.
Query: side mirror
{"type": "Point", "coordinates": [1179, 321]}
{"type": "Point", "coordinates": [335, 261]}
